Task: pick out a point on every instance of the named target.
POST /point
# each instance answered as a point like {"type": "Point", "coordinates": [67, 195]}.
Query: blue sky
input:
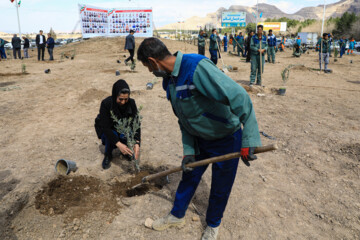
{"type": "Point", "coordinates": [62, 15]}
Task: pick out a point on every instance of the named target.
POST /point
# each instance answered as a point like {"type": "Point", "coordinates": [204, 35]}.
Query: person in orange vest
{"type": "Point", "coordinates": [351, 46]}
{"type": "Point", "coordinates": [282, 44]}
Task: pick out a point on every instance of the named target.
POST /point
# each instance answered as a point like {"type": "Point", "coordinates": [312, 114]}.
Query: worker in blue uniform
{"type": "Point", "coordinates": [211, 109]}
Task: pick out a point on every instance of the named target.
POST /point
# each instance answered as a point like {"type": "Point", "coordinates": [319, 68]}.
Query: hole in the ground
{"type": "Point", "coordinates": [126, 189]}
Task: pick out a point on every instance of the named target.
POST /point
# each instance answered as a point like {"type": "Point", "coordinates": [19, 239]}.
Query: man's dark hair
{"type": "Point", "coordinates": [260, 26]}
{"type": "Point", "coordinates": [214, 29]}
{"type": "Point", "coordinates": [152, 47]}
{"type": "Point", "coordinates": [270, 31]}
{"type": "Point", "coordinates": [325, 34]}
{"type": "Point", "coordinates": [132, 31]}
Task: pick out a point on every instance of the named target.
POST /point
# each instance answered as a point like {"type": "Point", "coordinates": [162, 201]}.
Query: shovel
{"type": "Point", "coordinates": [224, 68]}
{"type": "Point", "coordinates": [222, 158]}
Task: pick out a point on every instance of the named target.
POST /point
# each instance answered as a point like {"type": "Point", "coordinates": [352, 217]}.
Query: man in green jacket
{"type": "Point", "coordinates": [211, 109]}
{"type": "Point", "coordinates": [324, 52]}
{"type": "Point", "coordinates": [2, 49]}
{"type": "Point", "coordinates": [255, 55]}
{"type": "Point", "coordinates": [240, 44]}
{"type": "Point", "coordinates": [201, 43]}
{"type": "Point", "coordinates": [234, 42]}
{"type": "Point", "coordinates": [214, 47]}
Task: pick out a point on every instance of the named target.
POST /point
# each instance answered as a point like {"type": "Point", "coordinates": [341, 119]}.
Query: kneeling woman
{"type": "Point", "coordinates": [114, 111]}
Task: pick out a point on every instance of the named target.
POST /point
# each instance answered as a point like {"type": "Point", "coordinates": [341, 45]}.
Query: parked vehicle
{"type": "Point", "coordinates": [8, 45]}
{"type": "Point", "coordinates": [309, 39]}
{"type": "Point", "coordinates": [289, 43]}
{"type": "Point", "coordinates": [357, 46]}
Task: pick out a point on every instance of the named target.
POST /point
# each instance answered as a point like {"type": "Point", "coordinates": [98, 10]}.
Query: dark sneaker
{"type": "Point", "coordinates": [106, 164]}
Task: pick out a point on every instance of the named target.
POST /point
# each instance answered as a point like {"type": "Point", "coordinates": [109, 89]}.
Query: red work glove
{"type": "Point", "coordinates": [247, 154]}
{"type": "Point", "coordinates": [187, 159]}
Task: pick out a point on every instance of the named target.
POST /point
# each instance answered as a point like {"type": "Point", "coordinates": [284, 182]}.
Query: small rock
{"type": "Point", "coordinates": [51, 211]}
{"type": "Point", "coordinates": [305, 131]}
{"type": "Point", "coordinates": [126, 201]}
{"type": "Point", "coordinates": [260, 95]}
{"type": "Point", "coordinates": [195, 218]}
{"type": "Point", "coordinates": [62, 234]}
{"type": "Point", "coordinates": [280, 215]}
{"type": "Point", "coordinates": [148, 223]}
{"type": "Point", "coordinates": [85, 236]}
{"type": "Point", "coordinates": [263, 178]}
{"type": "Point", "coordinates": [76, 228]}
{"type": "Point", "coordinates": [76, 222]}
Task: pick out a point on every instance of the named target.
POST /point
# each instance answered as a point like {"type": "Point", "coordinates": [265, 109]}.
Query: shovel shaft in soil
{"type": "Point", "coordinates": [207, 161]}
{"type": "Point", "coordinates": [261, 61]}
{"type": "Point", "coordinates": [222, 61]}
{"type": "Point", "coordinates": [238, 44]}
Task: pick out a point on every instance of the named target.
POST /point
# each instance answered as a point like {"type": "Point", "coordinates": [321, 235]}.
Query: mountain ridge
{"type": "Point", "coordinates": [270, 11]}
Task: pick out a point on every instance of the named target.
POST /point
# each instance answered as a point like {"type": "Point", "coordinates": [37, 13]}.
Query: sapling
{"type": "Point", "coordinates": [133, 65]}
{"type": "Point", "coordinates": [129, 127]}
{"type": "Point", "coordinates": [62, 55]}
{"type": "Point", "coordinates": [286, 72]}
{"type": "Point", "coordinates": [23, 68]}
{"type": "Point", "coordinates": [336, 53]}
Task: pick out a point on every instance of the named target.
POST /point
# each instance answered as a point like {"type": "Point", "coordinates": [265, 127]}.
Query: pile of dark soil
{"type": "Point", "coordinates": [81, 194]}
{"type": "Point", "coordinates": [353, 151]}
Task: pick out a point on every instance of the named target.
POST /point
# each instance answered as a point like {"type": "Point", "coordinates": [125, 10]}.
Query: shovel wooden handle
{"type": "Point", "coordinates": [208, 161]}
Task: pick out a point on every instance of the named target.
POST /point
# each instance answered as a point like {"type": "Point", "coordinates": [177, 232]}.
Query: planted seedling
{"type": "Point", "coordinates": [285, 77]}
{"type": "Point", "coordinates": [23, 68]}
{"type": "Point", "coordinates": [129, 127]}
{"type": "Point", "coordinates": [133, 65]}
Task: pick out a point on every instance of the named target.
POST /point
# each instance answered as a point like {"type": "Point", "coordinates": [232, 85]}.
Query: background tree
{"type": "Point", "coordinates": [53, 34]}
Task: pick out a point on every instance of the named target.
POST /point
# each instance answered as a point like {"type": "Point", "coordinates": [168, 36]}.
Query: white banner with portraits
{"type": "Point", "coordinates": [96, 21]}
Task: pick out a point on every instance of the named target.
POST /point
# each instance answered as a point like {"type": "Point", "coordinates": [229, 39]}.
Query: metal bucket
{"type": "Point", "coordinates": [64, 167]}
{"type": "Point", "coordinates": [117, 73]}
{"type": "Point", "coordinates": [282, 91]}
{"type": "Point", "coordinates": [149, 86]}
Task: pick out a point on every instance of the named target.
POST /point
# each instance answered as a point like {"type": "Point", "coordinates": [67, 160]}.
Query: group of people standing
{"type": "Point", "coordinates": [250, 47]}
{"type": "Point", "coordinates": [41, 44]}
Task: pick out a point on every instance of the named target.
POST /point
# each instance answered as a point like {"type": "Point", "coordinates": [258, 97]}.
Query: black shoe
{"type": "Point", "coordinates": [107, 161]}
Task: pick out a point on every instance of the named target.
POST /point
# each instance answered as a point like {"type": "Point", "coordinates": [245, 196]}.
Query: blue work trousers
{"type": "Point", "coordinates": [225, 47]}
{"type": "Point", "coordinates": [342, 51]}
{"type": "Point", "coordinates": [214, 56]}
{"type": "Point", "coordinates": [2, 53]}
{"type": "Point", "coordinates": [246, 51]}
{"type": "Point", "coordinates": [110, 147]}
{"type": "Point", "coordinates": [223, 176]}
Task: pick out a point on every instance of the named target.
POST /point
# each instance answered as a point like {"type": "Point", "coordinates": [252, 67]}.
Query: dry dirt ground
{"type": "Point", "coordinates": [308, 189]}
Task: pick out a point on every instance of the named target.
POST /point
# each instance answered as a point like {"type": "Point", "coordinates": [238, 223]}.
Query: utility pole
{"type": "Point", "coordinates": [322, 38]}
{"type": "Point", "coordinates": [323, 21]}
{"type": "Point", "coordinates": [17, 11]}
{"type": "Point", "coordinates": [257, 14]}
